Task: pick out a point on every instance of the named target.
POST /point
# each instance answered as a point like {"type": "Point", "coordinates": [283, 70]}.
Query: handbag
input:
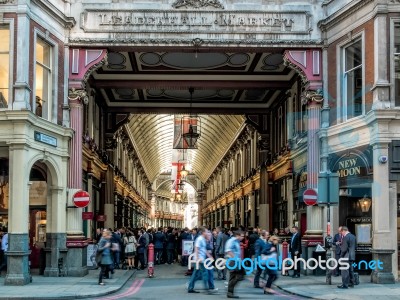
{"type": "Point", "coordinates": [270, 259]}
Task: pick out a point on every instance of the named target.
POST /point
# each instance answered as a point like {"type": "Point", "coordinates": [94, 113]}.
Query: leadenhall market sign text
{"type": "Point", "coordinates": [196, 21]}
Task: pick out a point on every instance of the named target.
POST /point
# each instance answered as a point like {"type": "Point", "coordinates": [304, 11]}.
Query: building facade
{"type": "Point", "coordinates": [315, 89]}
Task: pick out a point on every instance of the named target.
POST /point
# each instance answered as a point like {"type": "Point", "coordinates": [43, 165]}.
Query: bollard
{"type": "Point", "coordinates": [150, 261]}
{"type": "Point", "coordinates": [285, 251]}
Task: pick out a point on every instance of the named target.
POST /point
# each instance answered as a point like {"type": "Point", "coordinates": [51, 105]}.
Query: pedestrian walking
{"type": "Point", "coordinates": [220, 250]}
{"type": "Point", "coordinates": [106, 260]}
{"type": "Point", "coordinates": [233, 254]}
{"type": "Point", "coordinates": [200, 255]}
{"type": "Point", "coordinates": [259, 247]}
{"type": "Point", "coordinates": [271, 252]}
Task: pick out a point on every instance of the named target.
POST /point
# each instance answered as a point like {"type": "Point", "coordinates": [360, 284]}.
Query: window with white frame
{"type": "Point", "coordinates": [352, 80]}
{"type": "Point", "coordinates": [397, 64]}
{"type": "Point", "coordinates": [43, 79]}
{"type": "Point", "coordinates": [4, 65]}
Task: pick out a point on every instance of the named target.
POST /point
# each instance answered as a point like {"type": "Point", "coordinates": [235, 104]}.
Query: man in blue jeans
{"type": "Point", "coordinates": [200, 255]}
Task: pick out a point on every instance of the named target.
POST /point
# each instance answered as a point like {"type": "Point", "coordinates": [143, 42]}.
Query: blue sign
{"type": "Point", "coordinates": [46, 139]}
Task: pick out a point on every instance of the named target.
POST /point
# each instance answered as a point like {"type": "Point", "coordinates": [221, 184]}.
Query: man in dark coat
{"type": "Point", "coordinates": [259, 247]}
{"type": "Point", "coordinates": [295, 250]}
{"type": "Point", "coordinates": [159, 239]}
{"type": "Point", "coordinates": [337, 242]}
{"type": "Point", "coordinates": [220, 250]}
{"type": "Point", "coordinates": [254, 236]}
{"type": "Point", "coordinates": [348, 250]}
{"type": "Point", "coordinates": [171, 243]}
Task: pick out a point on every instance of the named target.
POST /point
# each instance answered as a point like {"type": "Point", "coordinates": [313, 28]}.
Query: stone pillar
{"type": "Point", "coordinates": [252, 207]}
{"type": "Point", "coordinates": [314, 233]}
{"type": "Point", "coordinates": [153, 209]}
{"type": "Point", "coordinates": [383, 236]}
{"type": "Point", "coordinates": [18, 240]}
{"type": "Point", "coordinates": [242, 210]}
{"type": "Point", "coordinates": [22, 89]}
{"type": "Point", "coordinates": [289, 188]}
{"type": "Point", "coordinates": [55, 236]}
{"type": "Point", "coordinates": [76, 241]}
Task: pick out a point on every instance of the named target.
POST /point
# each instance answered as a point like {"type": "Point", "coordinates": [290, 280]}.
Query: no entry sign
{"type": "Point", "coordinates": [81, 199]}
{"type": "Point", "coordinates": [310, 197]}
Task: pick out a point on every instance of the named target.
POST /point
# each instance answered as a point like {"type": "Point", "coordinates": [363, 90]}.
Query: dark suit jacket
{"type": "Point", "coordinates": [348, 248]}
{"type": "Point", "coordinates": [337, 238]}
{"type": "Point", "coordinates": [295, 244]}
{"type": "Point", "coordinates": [159, 239]}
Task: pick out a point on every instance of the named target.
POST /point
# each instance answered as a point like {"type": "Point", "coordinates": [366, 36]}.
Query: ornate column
{"type": "Point", "coordinates": [153, 209]}
{"type": "Point", "coordinates": [76, 241]}
{"type": "Point", "coordinates": [314, 233]}
{"type": "Point", "coordinates": [18, 240]}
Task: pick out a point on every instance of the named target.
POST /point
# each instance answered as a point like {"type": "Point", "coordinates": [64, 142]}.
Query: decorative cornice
{"type": "Point", "coordinates": [51, 9]}
{"type": "Point", "coordinates": [310, 97]}
{"type": "Point", "coordinates": [172, 41]}
{"type": "Point", "coordinates": [78, 95]}
{"type": "Point", "coordinates": [197, 3]}
{"type": "Point", "coordinates": [345, 12]}
{"type": "Point", "coordinates": [94, 68]}
{"type": "Point", "coordinates": [288, 63]}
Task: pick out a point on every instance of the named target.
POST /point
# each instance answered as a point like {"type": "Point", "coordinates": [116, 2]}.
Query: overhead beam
{"type": "Point", "coordinates": [246, 109]}
{"type": "Point", "coordinates": [197, 84]}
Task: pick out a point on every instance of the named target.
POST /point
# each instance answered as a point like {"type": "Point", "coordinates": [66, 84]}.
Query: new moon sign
{"type": "Point", "coordinates": [81, 199]}
{"type": "Point", "coordinates": [310, 197]}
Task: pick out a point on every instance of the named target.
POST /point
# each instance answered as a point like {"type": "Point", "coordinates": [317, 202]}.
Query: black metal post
{"type": "Point", "coordinates": [328, 239]}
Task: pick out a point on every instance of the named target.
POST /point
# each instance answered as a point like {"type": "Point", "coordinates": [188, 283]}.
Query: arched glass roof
{"type": "Point", "coordinates": [153, 134]}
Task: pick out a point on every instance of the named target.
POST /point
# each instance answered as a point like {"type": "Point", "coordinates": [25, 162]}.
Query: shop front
{"type": "Point", "coordinates": [299, 187]}
{"type": "Point", "coordinates": [280, 190]}
{"type": "Point", "coordinates": [355, 171]}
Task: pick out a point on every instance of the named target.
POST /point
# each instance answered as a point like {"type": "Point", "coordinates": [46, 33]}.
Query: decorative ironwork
{"type": "Point", "coordinates": [197, 3]}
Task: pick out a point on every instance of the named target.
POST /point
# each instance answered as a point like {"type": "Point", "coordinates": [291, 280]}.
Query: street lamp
{"type": "Point", "coordinates": [365, 204]}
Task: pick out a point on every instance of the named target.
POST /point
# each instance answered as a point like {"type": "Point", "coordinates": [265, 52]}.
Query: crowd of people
{"type": "Point", "coordinates": [127, 248]}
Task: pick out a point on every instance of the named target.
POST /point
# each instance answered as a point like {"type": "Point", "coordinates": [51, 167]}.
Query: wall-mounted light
{"type": "Point", "coordinates": [365, 204]}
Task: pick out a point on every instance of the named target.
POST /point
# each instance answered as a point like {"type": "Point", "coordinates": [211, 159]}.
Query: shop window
{"type": "Point", "coordinates": [43, 79]}
{"type": "Point", "coordinates": [352, 81]}
{"type": "Point", "coordinates": [397, 63]}
{"type": "Point", "coordinates": [4, 65]}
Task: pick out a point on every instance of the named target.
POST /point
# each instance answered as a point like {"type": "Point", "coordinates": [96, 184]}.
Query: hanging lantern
{"type": "Point", "coordinates": [190, 131]}
{"type": "Point", "coordinates": [365, 204]}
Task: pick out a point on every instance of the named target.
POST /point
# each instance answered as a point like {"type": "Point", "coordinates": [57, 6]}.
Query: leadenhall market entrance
{"type": "Point", "coordinates": [127, 75]}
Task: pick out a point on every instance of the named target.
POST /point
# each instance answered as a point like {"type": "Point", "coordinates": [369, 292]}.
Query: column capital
{"type": "Point", "coordinates": [312, 98]}
{"type": "Point", "coordinates": [77, 96]}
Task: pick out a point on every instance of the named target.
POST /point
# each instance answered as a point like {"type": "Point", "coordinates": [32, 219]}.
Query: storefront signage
{"type": "Point", "coordinates": [281, 171]}
{"type": "Point", "coordinates": [87, 215]}
{"type": "Point", "coordinates": [46, 139]}
{"type": "Point", "coordinates": [349, 167]}
{"type": "Point", "coordinates": [353, 165]}
{"type": "Point", "coordinates": [101, 218]}
{"type": "Point", "coordinates": [303, 180]}
{"type": "Point", "coordinates": [360, 219]}
{"type": "Point", "coordinates": [133, 21]}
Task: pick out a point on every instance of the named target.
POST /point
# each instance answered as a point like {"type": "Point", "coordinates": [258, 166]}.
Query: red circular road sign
{"type": "Point", "coordinates": [81, 199]}
{"type": "Point", "coordinates": [310, 197]}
